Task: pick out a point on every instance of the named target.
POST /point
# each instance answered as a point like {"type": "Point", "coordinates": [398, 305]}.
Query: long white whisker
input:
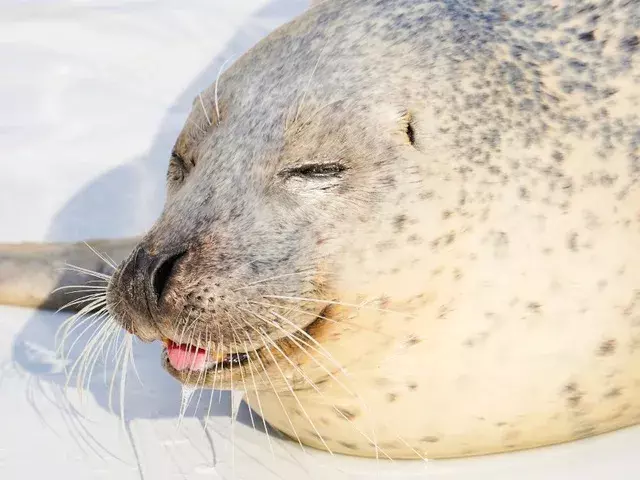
{"type": "Point", "coordinates": [257, 394]}
{"type": "Point", "coordinates": [306, 90]}
{"type": "Point", "coordinates": [334, 302]}
{"type": "Point", "coordinates": [313, 385]}
{"type": "Point", "coordinates": [86, 271]}
{"type": "Point", "coordinates": [119, 357]}
{"type": "Point", "coordinates": [290, 388]}
{"type": "Point", "coordinates": [322, 317]}
{"type": "Point", "coordinates": [102, 257]}
{"type": "Point", "coordinates": [244, 384]}
{"type": "Point", "coordinates": [204, 110]}
{"type": "Point", "coordinates": [275, 277]}
{"type": "Point", "coordinates": [215, 91]}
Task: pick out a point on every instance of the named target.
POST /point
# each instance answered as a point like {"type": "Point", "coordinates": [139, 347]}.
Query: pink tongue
{"type": "Point", "coordinates": [184, 357]}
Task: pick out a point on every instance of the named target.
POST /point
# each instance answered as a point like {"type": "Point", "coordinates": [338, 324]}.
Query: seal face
{"type": "Point", "coordinates": [409, 228]}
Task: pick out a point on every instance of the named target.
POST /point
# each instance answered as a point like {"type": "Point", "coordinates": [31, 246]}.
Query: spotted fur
{"type": "Point", "coordinates": [470, 266]}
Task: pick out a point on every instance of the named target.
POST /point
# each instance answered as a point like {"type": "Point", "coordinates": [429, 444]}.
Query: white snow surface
{"type": "Point", "coordinates": [92, 96]}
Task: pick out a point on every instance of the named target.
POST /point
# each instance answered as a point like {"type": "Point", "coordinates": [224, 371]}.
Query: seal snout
{"type": "Point", "coordinates": [141, 286]}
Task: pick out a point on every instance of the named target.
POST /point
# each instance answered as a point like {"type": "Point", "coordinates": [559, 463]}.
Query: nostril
{"type": "Point", "coordinates": [162, 272]}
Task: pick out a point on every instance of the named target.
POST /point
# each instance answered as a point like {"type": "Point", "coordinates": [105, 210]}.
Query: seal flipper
{"type": "Point", "coordinates": [32, 274]}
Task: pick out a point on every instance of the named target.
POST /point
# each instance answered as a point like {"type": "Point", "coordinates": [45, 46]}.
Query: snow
{"type": "Point", "coordinates": [93, 94]}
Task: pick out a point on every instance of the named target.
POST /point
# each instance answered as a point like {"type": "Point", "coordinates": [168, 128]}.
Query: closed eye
{"type": "Point", "coordinates": [316, 170]}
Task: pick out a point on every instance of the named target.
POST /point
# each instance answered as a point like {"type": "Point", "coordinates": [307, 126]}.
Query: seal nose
{"type": "Point", "coordinates": [136, 292]}
{"type": "Point", "coordinates": [155, 271]}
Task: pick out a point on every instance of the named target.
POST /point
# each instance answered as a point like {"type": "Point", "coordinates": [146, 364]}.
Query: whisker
{"type": "Point", "coordinates": [196, 125]}
{"type": "Point", "coordinates": [304, 412]}
{"type": "Point", "coordinates": [213, 386]}
{"type": "Point", "coordinates": [86, 271]}
{"type": "Point", "coordinates": [202, 376]}
{"type": "Point", "coordinates": [119, 356]}
{"type": "Point", "coordinates": [341, 368]}
{"type": "Point", "coordinates": [133, 361]}
{"type": "Point", "coordinates": [102, 257]}
{"type": "Point", "coordinates": [85, 299]}
{"type": "Point", "coordinates": [322, 317]}
{"type": "Point", "coordinates": [244, 384]}
{"type": "Point", "coordinates": [313, 385]}
{"type": "Point", "coordinates": [88, 357]}
{"type": "Point", "coordinates": [81, 288]}
{"type": "Point", "coordinates": [215, 90]}
{"type": "Point", "coordinates": [257, 394]}
{"type": "Point", "coordinates": [204, 110]}
{"type": "Point", "coordinates": [335, 302]}
{"type": "Point", "coordinates": [306, 90]}
{"type": "Point", "coordinates": [127, 342]}
{"type": "Point", "coordinates": [269, 279]}
{"type": "Point", "coordinates": [68, 326]}
{"type": "Point", "coordinates": [91, 319]}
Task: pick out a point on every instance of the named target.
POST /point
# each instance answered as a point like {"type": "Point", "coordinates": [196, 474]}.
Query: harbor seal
{"type": "Point", "coordinates": [408, 228]}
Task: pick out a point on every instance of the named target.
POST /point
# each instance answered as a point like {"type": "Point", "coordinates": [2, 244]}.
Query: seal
{"type": "Point", "coordinates": [409, 228]}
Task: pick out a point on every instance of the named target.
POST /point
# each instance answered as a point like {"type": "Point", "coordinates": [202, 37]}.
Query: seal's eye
{"type": "Point", "coordinates": [178, 168]}
{"type": "Point", "coordinates": [316, 170]}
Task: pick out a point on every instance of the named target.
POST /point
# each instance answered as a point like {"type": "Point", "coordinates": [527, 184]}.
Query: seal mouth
{"type": "Point", "coordinates": [183, 357]}
{"type": "Point", "coordinates": [190, 357]}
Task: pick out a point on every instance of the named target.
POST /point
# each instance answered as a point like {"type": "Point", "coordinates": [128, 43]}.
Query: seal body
{"type": "Point", "coordinates": [503, 249]}
{"type": "Point", "coordinates": [410, 228]}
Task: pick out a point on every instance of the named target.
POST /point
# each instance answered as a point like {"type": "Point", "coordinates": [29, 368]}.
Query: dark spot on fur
{"type": "Point", "coordinates": [574, 400]}
{"type": "Point", "coordinates": [388, 181]}
{"type": "Point", "coordinates": [345, 413]}
{"type": "Point", "coordinates": [429, 439]}
{"type": "Point", "coordinates": [587, 36]}
{"type": "Point", "coordinates": [322, 381]}
{"type": "Point", "coordinates": [411, 133]}
{"type": "Point", "coordinates": [584, 432]}
{"type": "Point", "coordinates": [523, 193]}
{"type": "Point", "coordinates": [386, 445]}
{"type": "Point", "coordinates": [557, 156]}
{"type": "Point", "coordinates": [412, 386]}
{"type": "Point", "coordinates": [415, 239]}
{"type": "Point", "coordinates": [350, 446]}
{"type": "Point", "coordinates": [391, 397]}
{"type": "Point", "coordinates": [534, 307]}
{"type": "Point", "coordinates": [317, 437]}
{"type": "Point", "coordinates": [577, 65]}
{"type": "Point", "coordinates": [571, 387]}
{"type": "Point", "coordinates": [608, 347]}
{"type": "Point", "coordinates": [572, 242]}
{"type": "Point", "coordinates": [630, 44]}
{"type": "Point", "coordinates": [426, 195]}
{"type": "Point", "coordinates": [613, 393]}
{"type": "Point", "coordinates": [399, 223]}
{"type": "Point", "coordinates": [412, 340]}
{"type": "Point", "coordinates": [501, 424]}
